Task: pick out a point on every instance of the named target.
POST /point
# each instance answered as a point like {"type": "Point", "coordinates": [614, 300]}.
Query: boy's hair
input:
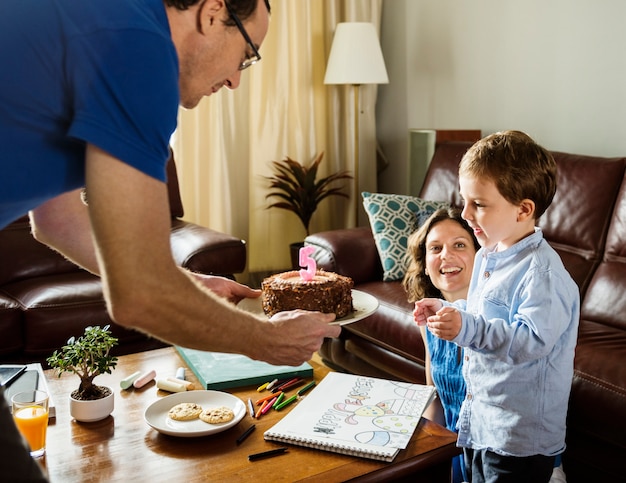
{"type": "Point", "coordinates": [519, 167]}
{"type": "Point", "coordinates": [416, 283]}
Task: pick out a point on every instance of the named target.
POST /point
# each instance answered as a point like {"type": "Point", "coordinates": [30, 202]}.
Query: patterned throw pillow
{"type": "Point", "coordinates": [393, 218]}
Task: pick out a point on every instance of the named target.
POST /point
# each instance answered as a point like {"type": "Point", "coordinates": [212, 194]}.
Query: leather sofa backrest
{"type": "Point", "coordinates": [605, 302]}
{"type": "Point", "coordinates": [22, 257]}
{"type": "Point", "coordinates": [442, 178]}
{"type": "Point", "coordinates": [577, 221]}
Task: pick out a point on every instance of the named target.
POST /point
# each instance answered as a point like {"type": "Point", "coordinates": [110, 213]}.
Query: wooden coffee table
{"type": "Point", "coordinates": [124, 448]}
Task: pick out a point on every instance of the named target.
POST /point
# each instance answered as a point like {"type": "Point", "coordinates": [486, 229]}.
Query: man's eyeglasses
{"type": "Point", "coordinates": [255, 57]}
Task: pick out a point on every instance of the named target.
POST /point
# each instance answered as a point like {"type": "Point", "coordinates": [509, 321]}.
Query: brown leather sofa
{"type": "Point", "coordinates": [586, 224]}
{"type": "Point", "coordinates": [45, 299]}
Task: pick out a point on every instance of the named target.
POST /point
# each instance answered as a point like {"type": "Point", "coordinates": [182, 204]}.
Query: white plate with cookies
{"type": "Point", "coordinates": [364, 305]}
{"type": "Point", "coordinates": [191, 414]}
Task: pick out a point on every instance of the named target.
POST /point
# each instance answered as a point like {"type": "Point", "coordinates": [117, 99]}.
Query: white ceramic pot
{"type": "Point", "coordinates": [90, 411]}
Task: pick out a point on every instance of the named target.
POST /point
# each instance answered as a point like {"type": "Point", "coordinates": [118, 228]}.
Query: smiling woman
{"type": "Point", "coordinates": [441, 261]}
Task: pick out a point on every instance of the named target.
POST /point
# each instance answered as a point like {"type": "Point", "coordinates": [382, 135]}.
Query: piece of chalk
{"type": "Point", "coordinates": [180, 373]}
{"type": "Point", "coordinates": [170, 386]}
{"type": "Point", "coordinates": [144, 379]}
{"type": "Point", "coordinates": [126, 383]}
{"type": "Point", "coordinates": [188, 384]}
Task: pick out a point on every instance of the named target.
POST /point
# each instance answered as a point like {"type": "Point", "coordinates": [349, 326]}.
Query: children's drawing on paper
{"type": "Point", "coordinates": [368, 415]}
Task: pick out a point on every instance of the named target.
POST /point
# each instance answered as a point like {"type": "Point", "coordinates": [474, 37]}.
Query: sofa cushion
{"type": "Point", "coordinates": [393, 218]}
{"type": "Point", "coordinates": [195, 247]}
{"type": "Point", "coordinates": [23, 257]}
{"type": "Point", "coordinates": [598, 398]}
{"type": "Point", "coordinates": [335, 249]}
{"type": "Point", "coordinates": [576, 222]}
{"type": "Point", "coordinates": [56, 307]}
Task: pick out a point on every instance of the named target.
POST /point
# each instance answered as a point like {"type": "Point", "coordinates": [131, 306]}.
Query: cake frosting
{"type": "Point", "coordinates": [327, 292]}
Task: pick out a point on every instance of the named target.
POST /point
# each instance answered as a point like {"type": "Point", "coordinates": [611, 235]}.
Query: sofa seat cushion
{"type": "Point", "coordinates": [358, 356]}
{"type": "Point", "coordinates": [10, 326]}
{"type": "Point", "coordinates": [57, 307]}
{"type": "Point", "coordinates": [392, 325]}
{"type": "Point", "coordinates": [596, 427]}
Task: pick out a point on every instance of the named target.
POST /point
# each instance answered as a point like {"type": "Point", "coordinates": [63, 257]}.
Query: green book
{"type": "Point", "coordinates": [219, 370]}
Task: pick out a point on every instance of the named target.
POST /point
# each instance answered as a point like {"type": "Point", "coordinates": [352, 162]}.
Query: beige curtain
{"type": "Point", "coordinates": [224, 147]}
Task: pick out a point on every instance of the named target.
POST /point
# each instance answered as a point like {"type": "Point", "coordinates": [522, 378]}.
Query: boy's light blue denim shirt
{"type": "Point", "coordinates": [520, 324]}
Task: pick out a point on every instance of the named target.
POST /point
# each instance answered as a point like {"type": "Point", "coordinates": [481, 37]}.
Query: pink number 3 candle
{"type": "Point", "coordinates": [308, 262]}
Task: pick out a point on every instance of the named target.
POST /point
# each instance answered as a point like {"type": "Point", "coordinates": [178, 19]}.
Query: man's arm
{"type": "Point", "coordinates": [63, 224]}
{"type": "Point", "coordinates": [144, 288]}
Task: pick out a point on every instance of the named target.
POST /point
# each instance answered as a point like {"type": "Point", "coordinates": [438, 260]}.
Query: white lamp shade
{"type": "Point", "coordinates": [355, 56]}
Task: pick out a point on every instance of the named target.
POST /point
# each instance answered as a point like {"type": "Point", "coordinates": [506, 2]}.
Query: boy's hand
{"type": "Point", "coordinates": [425, 308]}
{"type": "Point", "coordinates": [446, 323]}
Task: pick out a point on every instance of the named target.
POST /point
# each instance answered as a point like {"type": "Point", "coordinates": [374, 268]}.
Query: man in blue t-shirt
{"type": "Point", "coordinates": [89, 95]}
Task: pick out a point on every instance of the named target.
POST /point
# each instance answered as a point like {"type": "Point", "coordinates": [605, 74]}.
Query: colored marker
{"type": "Point", "coordinates": [246, 433]}
{"type": "Point", "coordinates": [267, 454]}
{"type": "Point", "coordinates": [260, 411]}
{"type": "Point", "coordinates": [269, 406]}
{"type": "Point", "coordinates": [291, 384]}
{"type": "Point", "coordinates": [267, 398]}
{"type": "Point", "coordinates": [279, 399]}
{"type": "Point", "coordinates": [286, 384]}
{"type": "Point", "coordinates": [287, 402]}
{"type": "Point", "coordinates": [271, 384]}
{"type": "Point", "coordinates": [306, 388]}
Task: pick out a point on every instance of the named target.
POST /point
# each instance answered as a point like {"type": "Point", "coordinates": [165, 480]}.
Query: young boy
{"type": "Point", "coordinates": [519, 323]}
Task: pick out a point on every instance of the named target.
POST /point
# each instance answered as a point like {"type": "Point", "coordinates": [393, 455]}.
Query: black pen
{"type": "Point", "coordinates": [245, 434]}
{"type": "Point", "coordinates": [267, 454]}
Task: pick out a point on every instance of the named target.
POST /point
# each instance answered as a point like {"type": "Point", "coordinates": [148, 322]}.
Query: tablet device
{"type": "Point", "coordinates": [10, 372]}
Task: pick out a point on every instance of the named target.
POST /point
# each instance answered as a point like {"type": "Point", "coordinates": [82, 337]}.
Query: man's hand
{"type": "Point", "coordinates": [232, 291]}
{"type": "Point", "coordinates": [305, 331]}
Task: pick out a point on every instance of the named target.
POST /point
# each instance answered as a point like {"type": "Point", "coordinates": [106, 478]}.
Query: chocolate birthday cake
{"type": "Point", "coordinates": [327, 292]}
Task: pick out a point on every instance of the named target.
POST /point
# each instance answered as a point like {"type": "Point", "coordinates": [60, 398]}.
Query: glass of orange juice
{"type": "Point", "coordinates": [30, 413]}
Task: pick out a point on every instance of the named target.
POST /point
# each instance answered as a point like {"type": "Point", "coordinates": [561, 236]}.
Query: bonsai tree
{"type": "Point", "coordinates": [87, 357]}
{"type": "Point", "coordinates": [297, 188]}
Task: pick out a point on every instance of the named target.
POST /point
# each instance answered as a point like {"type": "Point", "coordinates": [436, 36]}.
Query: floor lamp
{"type": "Point", "coordinates": [356, 58]}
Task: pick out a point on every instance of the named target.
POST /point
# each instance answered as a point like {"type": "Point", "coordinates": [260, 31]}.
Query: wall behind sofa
{"type": "Point", "coordinates": [555, 69]}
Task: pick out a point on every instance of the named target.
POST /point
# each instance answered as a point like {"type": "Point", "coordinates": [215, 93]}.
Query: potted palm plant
{"type": "Point", "coordinates": [88, 356]}
{"type": "Point", "coordinates": [295, 187]}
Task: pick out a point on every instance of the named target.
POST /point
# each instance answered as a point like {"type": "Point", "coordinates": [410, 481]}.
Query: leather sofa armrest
{"type": "Point", "coordinates": [349, 251]}
{"type": "Point", "coordinates": [203, 250]}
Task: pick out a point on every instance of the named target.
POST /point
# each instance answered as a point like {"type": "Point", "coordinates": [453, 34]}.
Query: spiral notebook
{"type": "Point", "coordinates": [355, 415]}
